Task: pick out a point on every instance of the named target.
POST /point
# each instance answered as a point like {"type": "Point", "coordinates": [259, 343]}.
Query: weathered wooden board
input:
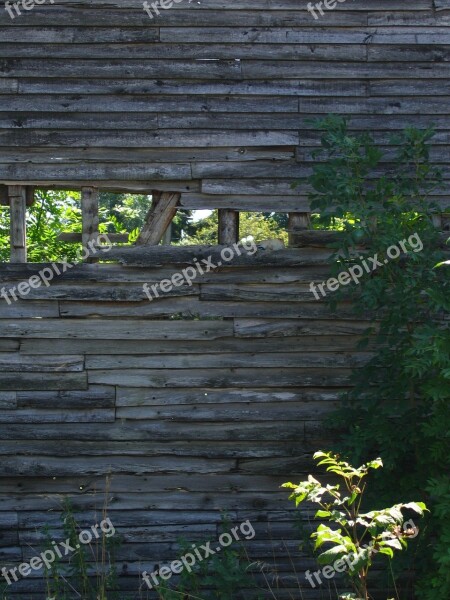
{"type": "Point", "coordinates": [193, 308]}
{"type": "Point", "coordinates": [231, 360]}
{"type": "Point", "coordinates": [304, 343]}
{"type": "Point", "coordinates": [94, 397]}
{"type": "Point", "coordinates": [23, 363]}
{"type": "Point", "coordinates": [115, 330]}
{"type": "Point", "coordinates": [42, 381]}
{"type": "Point", "coordinates": [221, 378]}
{"type": "Point", "coordinates": [302, 397]}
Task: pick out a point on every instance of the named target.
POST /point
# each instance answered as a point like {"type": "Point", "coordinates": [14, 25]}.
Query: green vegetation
{"type": "Point", "coordinates": [398, 408]}
{"type": "Point", "coordinates": [361, 536]}
{"type": "Point", "coordinates": [89, 572]}
{"type": "Point", "coordinates": [261, 226]}
{"type": "Point", "coordinates": [222, 577]}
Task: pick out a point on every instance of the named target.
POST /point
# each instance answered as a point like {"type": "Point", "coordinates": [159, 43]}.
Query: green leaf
{"type": "Point", "coordinates": [331, 555]}
{"type": "Point", "coordinates": [322, 514]}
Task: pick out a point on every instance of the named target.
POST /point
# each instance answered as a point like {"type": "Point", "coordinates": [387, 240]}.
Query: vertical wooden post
{"type": "Point", "coordinates": [228, 226]}
{"type": "Point", "coordinates": [17, 195]}
{"type": "Point", "coordinates": [167, 237]}
{"type": "Point", "coordinates": [445, 221]}
{"type": "Point", "coordinates": [297, 222]}
{"type": "Point", "coordinates": [437, 221]}
{"type": "Point", "coordinates": [89, 213]}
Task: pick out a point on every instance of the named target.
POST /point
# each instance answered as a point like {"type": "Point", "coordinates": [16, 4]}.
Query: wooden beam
{"type": "Point", "coordinates": [89, 211]}
{"type": "Point", "coordinates": [30, 195]}
{"type": "Point", "coordinates": [446, 222]}
{"type": "Point", "coordinates": [437, 221]}
{"type": "Point", "coordinates": [159, 217]}
{"type": "Point", "coordinates": [298, 222]}
{"type": "Point", "coordinates": [228, 226]}
{"type": "Point", "coordinates": [17, 195]}
{"type": "Point", "coordinates": [167, 238]}
{"type": "Point", "coordinates": [4, 198]}
{"type": "Point", "coordinates": [89, 215]}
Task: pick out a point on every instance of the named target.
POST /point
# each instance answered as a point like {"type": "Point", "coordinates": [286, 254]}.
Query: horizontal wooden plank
{"type": "Point", "coordinates": [305, 343]}
{"type": "Point", "coordinates": [79, 486]}
{"type": "Point", "coordinates": [106, 273]}
{"type": "Point", "coordinates": [24, 363]}
{"type": "Point", "coordinates": [218, 378]}
{"type": "Point", "coordinates": [8, 345]}
{"type": "Point", "coordinates": [257, 203]}
{"type": "Point", "coordinates": [140, 103]}
{"type": "Point", "coordinates": [31, 415]}
{"type": "Point", "coordinates": [184, 87]}
{"type": "Point", "coordinates": [59, 467]}
{"type": "Point", "coordinates": [192, 308]}
{"type": "Point", "coordinates": [189, 255]}
{"type": "Point", "coordinates": [8, 400]}
{"type": "Point", "coordinates": [162, 138]}
{"type": "Point", "coordinates": [302, 398]}
{"type": "Point", "coordinates": [154, 155]}
{"type": "Point", "coordinates": [231, 360]}
{"type": "Point", "coordinates": [24, 310]}
{"type": "Point", "coordinates": [150, 449]}
{"type": "Point", "coordinates": [276, 328]}
{"type": "Point", "coordinates": [85, 293]}
{"type": "Point", "coordinates": [42, 381]}
{"type": "Point", "coordinates": [94, 397]}
{"type": "Point", "coordinates": [168, 431]}
{"type": "Point", "coordinates": [111, 330]}
{"type": "Point", "coordinates": [227, 412]}
{"type": "Point", "coordinates": [241, 43]}
{"type": "Point", "coordinates": [256, 293]}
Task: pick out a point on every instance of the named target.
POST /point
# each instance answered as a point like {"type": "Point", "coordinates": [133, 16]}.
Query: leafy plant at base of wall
{"type": "Point", "coordinates": [220, 577]}
{"type": "Point", "coordinates": [398, 408]}
{"type": "Point", "coordinates": [360, 536]}
{"type": "Point", "coordinates": [91, 572]}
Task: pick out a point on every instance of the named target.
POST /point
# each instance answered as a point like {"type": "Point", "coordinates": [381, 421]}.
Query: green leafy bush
{"type": "Point", "coordinates": [398, 407]}
{"type": "Point", "coordinates": [360, 536]}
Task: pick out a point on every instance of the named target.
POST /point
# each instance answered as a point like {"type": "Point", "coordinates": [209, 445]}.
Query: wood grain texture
{"type": "Point", "coordinates": [209, 398]}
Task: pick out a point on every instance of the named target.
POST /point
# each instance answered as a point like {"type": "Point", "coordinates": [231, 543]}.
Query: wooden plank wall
{"type": "Point", "coordinates": [210, 98]}
{"type": "Point", "coordinates": [219, 391]}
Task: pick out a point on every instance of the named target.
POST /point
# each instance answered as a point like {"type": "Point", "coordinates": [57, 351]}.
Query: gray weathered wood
{"type": "Point", "coordinates": [159, 217]}
{"type": "Point", "coordinates": [228, 226]}
{"type": "Point", "coordinates": [90, 218]}
{"type": "Point", "coordinates": [297, 223]}
{"type": "Point", "coordinates": [18, 229]}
